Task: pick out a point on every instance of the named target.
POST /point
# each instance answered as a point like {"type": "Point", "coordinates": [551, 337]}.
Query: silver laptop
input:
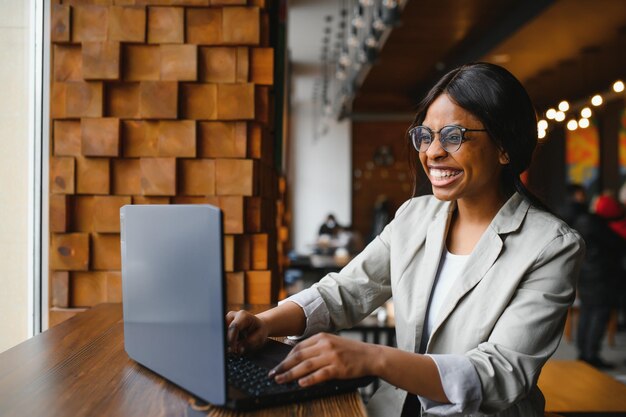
{"type": "Point", "coordinates": [173, 286]}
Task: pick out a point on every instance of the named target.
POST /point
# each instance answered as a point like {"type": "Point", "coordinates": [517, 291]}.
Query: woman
{"type": "Point", "coordinates": [481, 275]}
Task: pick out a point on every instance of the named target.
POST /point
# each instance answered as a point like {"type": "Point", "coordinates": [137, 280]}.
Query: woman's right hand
{"type": "Point", "coordinates": [245, 331]}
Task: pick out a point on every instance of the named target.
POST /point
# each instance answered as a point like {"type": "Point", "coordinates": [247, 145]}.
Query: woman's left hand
{"type": "Point", "coordinates": [326, 356]}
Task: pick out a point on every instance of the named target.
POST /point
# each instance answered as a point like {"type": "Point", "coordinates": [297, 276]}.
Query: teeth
{"type": "Point", "coordinates": [440, 173]}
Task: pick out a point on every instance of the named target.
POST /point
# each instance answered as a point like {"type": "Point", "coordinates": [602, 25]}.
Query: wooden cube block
{"type": "Point", "coordinates": [199, 101]}
{"type": "Point", "coordinates": [59, 285]}
{"type": "Point", "coordinates": [69, 252]}
{"type": "Point", "coordinates": [66, 138]}
{"type": "Point", "coordinates": [185, 199]}
{"type": "Point", "coordinates": [234, 215]}
{"type": "Point", "coordinates": [83, 99]}
{"type": "Point", "coordinates": [177, 138]}
{"type": "Point", "coordinates": [262, 104]}
{"type": "Point", "coordinates": [158, 100]}
{"type": "Point", "coordinates": [158, 176]}
{"type": "Point", "coordinates": [229, 2]}
{"type": "Point", "coordinates": [166, 25]}
{"type": "Point", "coordinates": [229, 253]}
{"type": "Point", "coordinates": [241, 25]}
{"type": "Point", "coordinates": [259, 246]}
{"type": "Point", "coordinates": [218, 64]}
{"type": "Point", "coordinates": [235, 101]}
{"type": "Point", "coordinates": [204, 26]}
{"type": "Point", "coordinates": [89, 23]}
{"type": "Point", "coordinates": [67, 63]}
{"type": "Point", "coordinates": [114, 286]}
{"type": "Point", "coordinates": [139, 138]}
{"type": "Point", "coordinates": [142, 63]}
{"type": "Point", "coordinates": [88, 289]}
{"type": "Point", "coordinates": [222, 140]}
{"type": "Point", "coordinates": [179, 62]}
{"type": "Point", "coordinates": [140, 199]}
{"type": "Point", "coordinates": [62, 174]}
{"type": "Point", "coordinates": [123, 100]}
{"type": "Point", "coordinates": [262, 66]}
{"type": "Point", "coordinates": [243, 65]}
{"type": "Point", "coordinates": [92, 175]}
{"type": "Point", "coordinates": [235, 288]}
{"type": "Point", "coordinates": [243, 252]}
{"type": "Point", "coordinates": [255, 214]}
{"type": "Point", "coordinates": [58, 100]}
{"type": "Point", "coordinates": [106, 252]}
{"type": "Point", "coordinates": [258, 285]}
{"type": "Point", "coordinates": [58, 213]}
{"type": "Point", "coordinates": [197, 177]}
{"type": "Point", "coordinates": [100, 137]}
{"type": "Point", "coordinates": [107, 213]}
{"type": "Point", "coordinates": [235, 177]}
{"type": "Point", "coordinates": [126, 176]}
{"type": "Point", "coordinates": [101, 60]}
{"type": "Point", "coordinates": [83, 210]}
{"type": "Point", "coordinates": [127, 24]}
{"type": "Point", "coordinates": [60, 23]}
{"type": "Point", "coordinates": [58, 315]}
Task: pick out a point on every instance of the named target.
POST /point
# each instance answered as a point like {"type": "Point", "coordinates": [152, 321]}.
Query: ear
{"type": "Point", "coordinates": [504, 158]}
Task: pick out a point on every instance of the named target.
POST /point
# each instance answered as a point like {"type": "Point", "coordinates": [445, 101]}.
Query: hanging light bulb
{"type": "Point", "coordinates": [572, 125]}
{"type": "Point", "coordinates": [344, 58]}
{"type": "Point", "coordinates": [353, 39]}
{"type": "Point", "coordinates": [341, 74]}
{"type": "Point", "coordinates": [596, 100]}
{"type": "Point", "coordinates": [618, 86]}
{"type": "Point", "coordinates": [586, 112]}
{"type": "Point", "coordinates": [358, 21]}
{"type": "Point", "coordinates": [583, 123]}
{"type": "Point", "coordinates": [559, 116]}
{"type": "Point", "coordinates": [550, 114]}
{"type": "Point", "coordinates": [542, 124]}
{"type": "Point", "coordinates": [564, 105]}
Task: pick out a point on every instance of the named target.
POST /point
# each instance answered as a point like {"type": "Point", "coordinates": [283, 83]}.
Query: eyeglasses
{"type": "Point", "coordinates": [450, 137]}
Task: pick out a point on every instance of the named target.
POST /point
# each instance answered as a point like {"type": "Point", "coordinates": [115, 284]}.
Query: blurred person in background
{"type": "Point", "coordinates": [600, 277]}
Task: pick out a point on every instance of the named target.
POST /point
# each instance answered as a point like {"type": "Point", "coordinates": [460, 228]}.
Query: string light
{"type": "Point", "coordinates": [541, 133]}
{"type": "Point", "coordinates": [551, 113]}
{"type": "Point", "coordinates": [586, 112]}
{"type": "Point", "coordinates": [596, 100]}
{"type": "Point", "coordinates": [564, 106]}
{"type": "Point", "coordinates": [583, 123]}
{"type": "Point", "coordinates": [572, 125]}
{"type": "Point", "coordinates": [542, 124]}
{"type": "Point", "coordinates": [560, 116]}
{"type": "Point", "coordinates": [618, 86]}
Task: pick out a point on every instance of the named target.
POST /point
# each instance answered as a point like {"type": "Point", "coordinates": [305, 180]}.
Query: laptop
{"type": "Point", "coordinates": [173, 286]}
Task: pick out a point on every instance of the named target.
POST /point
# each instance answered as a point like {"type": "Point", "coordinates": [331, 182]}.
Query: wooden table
{"type": "Point", "coordinates": [574, 387]}
{"type": "Point", "coordinates": [79, 368]}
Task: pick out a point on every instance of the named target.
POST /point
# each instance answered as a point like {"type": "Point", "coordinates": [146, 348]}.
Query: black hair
{"type": "Point", "coordinates": [494, 96]}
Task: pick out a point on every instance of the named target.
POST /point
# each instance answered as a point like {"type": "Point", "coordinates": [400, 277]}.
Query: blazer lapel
{"type": "Point", "coordinates": [484, 255]}
{"type": "Point", "coordinates": [435, 240]}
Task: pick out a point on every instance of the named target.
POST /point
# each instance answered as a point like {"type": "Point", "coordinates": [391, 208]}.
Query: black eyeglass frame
{"type": "Point", "coordinates": [444, 144]}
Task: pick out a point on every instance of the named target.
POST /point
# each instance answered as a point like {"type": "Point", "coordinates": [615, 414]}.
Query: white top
{"type": "Point", "coordinates": [450, 268]}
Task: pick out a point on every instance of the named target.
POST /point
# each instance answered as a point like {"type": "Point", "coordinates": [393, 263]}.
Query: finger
{"type": "Point", "coordinates": [322, 374]}
{"type": "Point", "coordinates": [297, 355]}
{"type": "Point", "coordinates": [302, 369]}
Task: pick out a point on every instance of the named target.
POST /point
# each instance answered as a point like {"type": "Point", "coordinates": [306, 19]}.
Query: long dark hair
{"type": "Point", "coordinates": [500, 102]}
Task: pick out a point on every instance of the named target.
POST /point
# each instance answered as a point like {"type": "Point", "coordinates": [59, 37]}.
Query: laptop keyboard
{"type": "Point", "coordinates": [252, 378]}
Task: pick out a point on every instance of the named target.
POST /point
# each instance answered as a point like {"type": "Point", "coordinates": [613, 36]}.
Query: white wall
{"type": "Point", "coordinates": [14, 172]}
{"type": "Point", "coordinates": [320, 170]}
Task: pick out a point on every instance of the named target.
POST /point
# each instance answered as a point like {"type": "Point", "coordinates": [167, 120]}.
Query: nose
{"type": "Point", "coordinates": [435, 150]}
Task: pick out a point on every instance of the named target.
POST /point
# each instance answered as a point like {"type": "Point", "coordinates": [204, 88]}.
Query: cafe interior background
{"type": "Point", "coordinates": [287, 112]}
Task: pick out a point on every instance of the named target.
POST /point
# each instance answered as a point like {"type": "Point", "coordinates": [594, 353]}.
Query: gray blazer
{"type": "Point", "coordinates": [506, 313]}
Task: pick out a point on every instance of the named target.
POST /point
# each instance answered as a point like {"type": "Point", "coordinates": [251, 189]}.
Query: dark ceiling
{"type": "Point", "coordinates": [559, 49]}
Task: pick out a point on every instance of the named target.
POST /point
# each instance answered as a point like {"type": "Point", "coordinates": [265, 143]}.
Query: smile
{"type": "Point", "coordinates": [443, 174]}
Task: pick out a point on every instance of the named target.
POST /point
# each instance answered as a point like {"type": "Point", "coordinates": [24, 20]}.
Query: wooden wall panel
{"type": "Point", "coordinates": [159, 102]}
